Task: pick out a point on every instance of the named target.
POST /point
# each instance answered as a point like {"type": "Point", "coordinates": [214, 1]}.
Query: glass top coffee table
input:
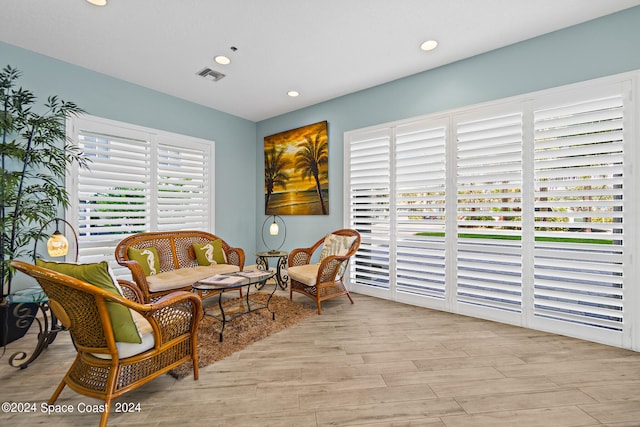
{"type": "Point", "coordinates": [229, 310]}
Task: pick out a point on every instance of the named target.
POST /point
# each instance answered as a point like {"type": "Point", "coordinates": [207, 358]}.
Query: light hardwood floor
{"type": "Point", "coordinates": [372, 363]}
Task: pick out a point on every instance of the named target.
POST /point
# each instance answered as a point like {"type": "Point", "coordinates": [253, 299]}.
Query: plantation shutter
{"type": "Point", "coordinates": [182, 188]}
{"type": "Point", "coordinates": [420, 179]}
{"type": "Point", "coordinates": [519, 211]}
{"type": "Point", "coordinates": [489, 212]}
{"type": "Point", "coordinates": [369, 207]}
{"type": "Point", "coordinates": [113, 195]}
{"type": "Point", "coordinates": [138, 180]}
{"type": "Point", "coordinates": [579, 159]}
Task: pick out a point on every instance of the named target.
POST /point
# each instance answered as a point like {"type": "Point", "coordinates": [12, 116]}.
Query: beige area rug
{"type": "Point", "coordinates": [244, 330]}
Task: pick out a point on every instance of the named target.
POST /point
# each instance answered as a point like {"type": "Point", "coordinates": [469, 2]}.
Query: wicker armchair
{"type": "Point", "coordinates": [324, 280]}
{"type": "Point", "coordinates": [101, 368]}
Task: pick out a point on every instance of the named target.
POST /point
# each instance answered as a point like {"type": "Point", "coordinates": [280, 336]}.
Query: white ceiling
{"type": "Point", "coordinates": [321, 48]}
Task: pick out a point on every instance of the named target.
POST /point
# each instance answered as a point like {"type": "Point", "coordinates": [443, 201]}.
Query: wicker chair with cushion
{"type": "Point", "coordinates": [323, 280]}
{"type": "Point", "coordinates": [120, 343]}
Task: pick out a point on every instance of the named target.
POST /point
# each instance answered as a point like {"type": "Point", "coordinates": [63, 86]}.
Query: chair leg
{"type": "Point", "coordinates": [194, 361]}
{"type": "Point", "coordinates": [56, 393]}
{"type": "Point", "coordinates": [349, 295]}
{"type": "Point", "coordinates": [105, 414]}
{"type": "Point", "coordinates": [109, 387]}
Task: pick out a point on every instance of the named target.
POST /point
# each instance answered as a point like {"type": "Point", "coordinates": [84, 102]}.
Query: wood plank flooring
{"type": "Point", "coordinates": [376, 363]}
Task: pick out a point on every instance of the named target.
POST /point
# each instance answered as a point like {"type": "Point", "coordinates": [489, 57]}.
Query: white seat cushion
{"type": "Point", "coordinates": [127, 349]}
{"type": "Point", "coordinates": [182, 277]}
{"type": "Point", "coordinates": [306, 274]}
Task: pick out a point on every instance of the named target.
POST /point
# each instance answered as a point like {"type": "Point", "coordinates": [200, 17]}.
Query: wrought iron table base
{"type": "Point", "coordinates": [237, 307]}
{"type": "Point", "coordinates": [49, 329]}
{"type": "Point", "coordinates": [250, 307]}
{"type": "Point", "coordinates": [262, 261]}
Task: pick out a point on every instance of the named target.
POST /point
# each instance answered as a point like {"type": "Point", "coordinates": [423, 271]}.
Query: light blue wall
{"type": "Point", "coordinates": [103, 96]}
{"type": "Point", "coordinates": [602, 47]}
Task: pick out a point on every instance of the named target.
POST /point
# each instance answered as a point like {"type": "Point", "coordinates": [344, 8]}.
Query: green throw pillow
{"type": "Point", "coordinates": [210, 252]}
{"type": "Point", "coordinates": [98, 274]}
{"type": "Point", "coordinates": [147, 258]}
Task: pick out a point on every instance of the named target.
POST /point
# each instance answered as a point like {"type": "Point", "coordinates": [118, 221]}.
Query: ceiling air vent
{"type": "Point", "coordinates": [210, 74]}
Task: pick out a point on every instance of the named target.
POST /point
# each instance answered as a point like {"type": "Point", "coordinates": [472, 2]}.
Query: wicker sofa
{"type": "Point", "coordinates": [178, 264]}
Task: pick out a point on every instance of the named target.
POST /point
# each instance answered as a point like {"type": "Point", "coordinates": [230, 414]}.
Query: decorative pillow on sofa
{"type": "Point", "coordinates": [210, 252]}
{"type": "Point", "coordinates": [98, 274]}
{"type": "Point", "coordinates": [147, 258]}
{"type": "Point", "coordinates": [336, 245]}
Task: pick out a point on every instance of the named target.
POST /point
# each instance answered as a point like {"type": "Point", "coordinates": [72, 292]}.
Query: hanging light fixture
{"type": "Point", "coordinates": [57, 245]}
{"type": "Point", "coordinates": [274, 230]}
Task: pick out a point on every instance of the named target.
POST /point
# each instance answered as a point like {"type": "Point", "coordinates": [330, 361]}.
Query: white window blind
{"type": "Point", "coordinates": [515, 211]}
{"type": "Point", "coordinates": [182, 188]}
{"type": "Point", "coordinates": [369, 207]}
{"type": "Point", "coordinates": [112, 198]}
{"type": "Point", "coordinates": [138, 180]}
{"type": "Point", "coordinates": [489, 189]}
{"type": "Point", "coordinates": [579, 157]}
{"type": "Point", "coordinates": [420, 209]}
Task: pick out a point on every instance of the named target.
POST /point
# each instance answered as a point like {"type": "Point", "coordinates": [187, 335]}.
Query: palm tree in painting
{"type": "Point", "coordinates": [274, 175]}
{"type": "Point", "coordinates": [313, 154]}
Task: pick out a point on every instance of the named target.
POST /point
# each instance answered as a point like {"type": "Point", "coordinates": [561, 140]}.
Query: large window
{"type": "Point", "coordinates": [515, 211]}
{"type": "Point", "coordinates": [138, 180]}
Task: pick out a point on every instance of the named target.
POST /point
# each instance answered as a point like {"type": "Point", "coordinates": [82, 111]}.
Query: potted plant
{"type": "Point", "coordinates": [35, 155]}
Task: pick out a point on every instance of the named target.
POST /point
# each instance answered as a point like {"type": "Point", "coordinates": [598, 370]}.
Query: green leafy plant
{"type": "Point", "coordinates": [35, 155]}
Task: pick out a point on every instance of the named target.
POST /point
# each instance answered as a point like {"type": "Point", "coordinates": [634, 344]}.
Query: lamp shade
{"type": "Point", "coordinates": [57, 245]}
{"type": "Point", "coordinates": [274, 229]}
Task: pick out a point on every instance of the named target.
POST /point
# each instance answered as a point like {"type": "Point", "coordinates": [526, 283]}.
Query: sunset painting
{"type": "Point", "coordinates": [296, 171]}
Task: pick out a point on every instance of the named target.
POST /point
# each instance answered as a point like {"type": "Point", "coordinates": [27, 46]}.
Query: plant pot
{"type": "Point", "coordinates": [15, 320]}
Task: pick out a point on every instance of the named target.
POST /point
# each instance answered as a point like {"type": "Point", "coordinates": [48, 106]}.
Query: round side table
{"type": "Point", "coordinates": [262, 260]}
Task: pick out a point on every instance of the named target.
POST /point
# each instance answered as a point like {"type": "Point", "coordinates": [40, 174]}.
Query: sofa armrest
{"type": "Point", "coordinates": [235, 256]}
{"type": "Point", "coordinates": [138, 277]}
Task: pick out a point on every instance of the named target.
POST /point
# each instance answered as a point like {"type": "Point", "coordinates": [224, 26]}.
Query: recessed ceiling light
{"type": "Point", "coordinates": [429, 45]}
{"type": "Point", "coordinates": [222, 60]}
{"type": "Point", "coordinates": [293, 93]}
{"type": "Point", "coordinates": [98, 2]}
